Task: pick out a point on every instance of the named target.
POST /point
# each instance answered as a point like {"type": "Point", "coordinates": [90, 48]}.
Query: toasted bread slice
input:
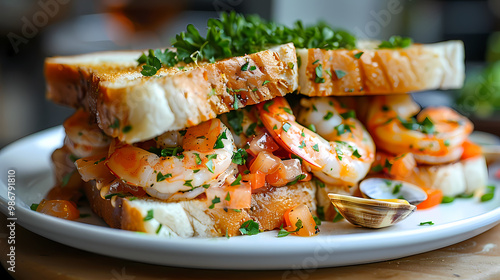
{"type": "Point", "coordinates": [134, 107]}
{"type": "Point", "coordinates": [193, 217]}
{"type": "Point", "coordinates": [381, 71]}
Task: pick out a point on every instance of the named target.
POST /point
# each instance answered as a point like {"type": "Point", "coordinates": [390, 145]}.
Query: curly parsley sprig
{"type": "Point", "coordinates": [235, 35]}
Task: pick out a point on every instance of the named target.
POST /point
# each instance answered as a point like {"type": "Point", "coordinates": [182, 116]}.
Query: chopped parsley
{"type": "Point", "coordinates": [249, 227]}
{"type": "Point", "coordinates": [245, 66]}
{"type": "Point", "coordinates": [240, 156]}
{"type": "Point", "coordinates": [343, 128]}
{"type": "Point", "coordinates": [210, 166]}
{"type": "Point", "coordinates": [149, 215]}
{"type": "Point", "coordinates": [253, 67]}
{"type": "Point", "coordinates": [397, 188]}
{"type": "Point", "coordinates": [340, 74]}
{"type": "Point", "coordinates": [228, 196]}
{"type": "Point", "coordinates": [108, 196]}
{"type": "Point", "coordinates": [160, 177]}
{"type": "Point", "coordinates": [237, 181]}
{"type": "Point", "coordinates": [430, 223]}
{"type": "Point", "coordinates": [100, 160]}
{"type": "Point", "coordinates": [188, 183]}
{"type": "Point", "coordinates": [265, 82]}
{"type": "Point", "coordinates": [266, 106]}
{"type": "Point", "coordinates": [34, 206]}
{"type": "Point", "coordinates": [328, 116]}
{"type": "Point", "coordinates": [348, 114]}
{"type": "Point", "coordinates": [288, 110]}
{"type": "Point", "coordinates": [490, 193]}
{"type": "Point", "coordinates": [214, 201]}
{"type": "Point", "coordinates": [235, 120]}
{"type": "Point", "coordinates": [447, 199]}
{"type": "Point", "coordinates": [159, 228]}
{"type": "Point", "coordinates": [197, 158]}
{"type": "Point", "coordinates": [319, 74]}
{"type": "Point", "coordinates": [251, 129]}
{"type": "Point", "coordinates": [358, 55]}
{"type": "Point", "coordinates": [356, 154]}
{"type": "Point", "coordinates": [395, 42]}
{"type": "Point", "coordinates": [426, 126]}
{"type": "Point", "coordinates": [312, 127]}
{"type": "Point", "coordinates": [298, 178]}
{"type": "Point", "coordinates": [283, 232]}
{"type": "Point", "coordinates": [65, 179]}
{"type": "Point", "coordinates": [338, 217]}
{"type": "Point", "coordinates": [316, 147]}
{"type": "Point", "coordinates": [127, 129]}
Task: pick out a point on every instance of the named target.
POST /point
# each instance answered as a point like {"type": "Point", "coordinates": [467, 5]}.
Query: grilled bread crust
{"type": "Point", "coordinates": [381, 71]}
{"type": "Point", "coordinates": [191, 218]}
{"type": "Point", "coordinates": [135, 108]}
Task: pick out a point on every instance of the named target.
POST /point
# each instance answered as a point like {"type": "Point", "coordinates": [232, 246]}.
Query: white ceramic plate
{"type": "Point", "coordinates": [338, 244]}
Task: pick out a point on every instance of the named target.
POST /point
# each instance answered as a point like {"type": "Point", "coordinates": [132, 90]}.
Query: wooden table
{"type": "Point", "coordinates": [41, 258]}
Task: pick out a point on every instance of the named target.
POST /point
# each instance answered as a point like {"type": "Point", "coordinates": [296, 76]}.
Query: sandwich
{"type": "Point", "coordinates": [199, 140]}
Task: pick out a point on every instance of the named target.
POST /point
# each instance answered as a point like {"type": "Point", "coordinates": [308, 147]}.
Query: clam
{"type": "Point", "coordinates": [379, 188]}
{"type": "Point", "coordinates": [371, 213]}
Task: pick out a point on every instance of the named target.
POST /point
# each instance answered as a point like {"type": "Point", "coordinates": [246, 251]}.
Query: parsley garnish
{"type": "Point", "coordinates": [160, 177]}
{"type": "Point", "coordinates": [397, 188]}
{"type": "Point", "coordinates": [340, 74]}
{"type": "Point", "coordinates": [188, 183]}
{"type": "Point", "coordinates": [266, 106]}
{"type": "Point", "coordinates": [214, 201]}
{"type": "Point", "coordinates": [197, 158]}
{"type": "Point", "coordinates": [149, 216]}
{"type": "Point", "coordinates": [228, 196]}
{"type": "Point", "coordinates": [159, 228]}
{"type": "Point", "coordinates": [358, 55]}
{"type": "Point", "coordinates": [447, 199]}
{"type": "Point", "coordinates": [210, 166]}
{"type": "Point", "coordinates": [316, 147]}
{"type": "Point", "coordinates": [328, 116]}
{"type": "Point", "coordinates": [430, 223]}
{"type": "Point", "coordinates": [127, 129]}
{"type": "Point", "coordinates": [253, 67]}
{"type": "Point", "coordinates": [396, 42]}
{"type": "Point", "coordinates": [237, 181]}
{"type": "Point", "coordinates": [343, 128]}
{"type": "Point", "coordinates": [265, 82]}
{"type": "Point", "coordinates": [348, 114]}
{"type": "Point", "coordinates": [283, 232]}
{"type": "Point", "coordinates": [249, 227]}
{"type": "Point", "coordinates": [235, 120]}
{"type": "Point", "coordinates": [288, 110]}
{"type": "Point", "coordinates": [240, 156]}
{"type": "Point", "coordinates": [115, 124]}
{"type": "Point", "coordinates": [245, 67]}
{"type": "Point", "coordinates": [312, 127]}
{"type": "Point", "coordinates": [108, 196]}
{"type": "Point", "coordinates": [298, 178]}
{"type": "Point", "coordinates": [319, 74]}
{"type": "Point", "coordinates": [99, 161]}
{"type": "Point", "coordinates": [338, 217]}
{"type": "Point", "coordinates": [251, 129]}
{"type": "Point", "coordinates": [65, 179]}
{"type": "Point", "coordinates": [34, 206]}
{"type": "Point", "coordinates": [356, 154]}
{"type": "Point", "coordinates": [490, 193]}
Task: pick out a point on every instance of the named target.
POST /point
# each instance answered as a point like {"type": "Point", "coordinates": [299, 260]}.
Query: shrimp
{"type": "Point", "coordinates": [346, 154]}
{"type": "Point", "coordinates": [205, 153]}
{"type": "Point", "coordinates": [83, 136]}
{"type": "Point", "coordinates": [434, 137]}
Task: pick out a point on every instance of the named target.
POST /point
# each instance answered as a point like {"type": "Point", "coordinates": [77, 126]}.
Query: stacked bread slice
{"type": "Point", "coordinates": [133, 109]}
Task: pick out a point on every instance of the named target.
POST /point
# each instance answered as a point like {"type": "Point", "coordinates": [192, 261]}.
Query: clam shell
{"type": "Point", "coordinates": [370, 213]}
{"type": "Point", "coordinates": [379, 188]}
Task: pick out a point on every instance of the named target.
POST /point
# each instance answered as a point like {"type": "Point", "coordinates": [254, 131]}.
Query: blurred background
{"type": "Point", "coordinates": [32, 30]}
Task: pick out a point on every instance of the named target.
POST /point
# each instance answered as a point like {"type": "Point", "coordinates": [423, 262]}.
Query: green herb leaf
{"type": "Point", "coordinates": [447, 199]}
{"type": "Point", "coordinates": [245, 66]}
{"type": "Point", "coordinates": [298, 178]}
{"type": "Point", "coordinates": [328, 116]}
{"type": "Point", "coordinates": [197, 158]}
{"type": "Point", "coordinates": [159, 228]}
{"type": "Point", "coordinates": [240, 156]}
{"type": "Point", "coordinates": [160, 177]}
{"type": "Point", "coordinates": [266, 106]}
{"type": "Point", "coordinates": [396, 42]}
{"type": "Point", "coordinates": [358, 55]}
{"type": "Point", "coordinates": [397, 188]}
{"type": "Point", "coordinates": [340, 74]}
{"type": "Point", "coordinates": [237, 181]}
{"type": "Point", "coordinates": [149, 215]}
{"type": "Point", "coordinates": [348, 114]}
{"type": "Point", "coordinates": [356, 154]}
{"type": "Point", "coordinates": [214, 201]}
{"type": "Point", "coordinates": [430, 223]}
{"type": "Point", "coordinates": [338, 217]}
{"type": "Point", "coordinates": [249, 227]}
{"type": "Point", "coordinates": [34, 206]}
{"type": "Point", "coordinates": [210, 166]}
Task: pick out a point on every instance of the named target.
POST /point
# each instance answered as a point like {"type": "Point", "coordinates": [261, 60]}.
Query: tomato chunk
{"type": "Point", "coordinates": [302, 213]}
{"type": "Point", "coordinates": [64, 209]}
{"type": "Point", "coordinates": [434, 197]}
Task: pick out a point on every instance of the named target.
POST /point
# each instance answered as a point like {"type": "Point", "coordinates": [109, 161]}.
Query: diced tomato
{"type": "Point", "coordinates": [64, 209]}
{"type": "Point", "coordinates": [262, 142]}
{"type": "Point", "coordinates": [403, 165]}
{"type": "Point", "coordinates": [288, 170]}
{"type": "Point", "coordinates": [257, 180]}
{"type": "Point", "coordinates": [265, 162]}
{"type": "Point", "coordinates": [471, 149]}
{"type": "Point", "coordinates": [302, 213]}
{"type": "Point", "coordinates": [434, 197]}
{"type": "Point", "coordinates": [230, 197]}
